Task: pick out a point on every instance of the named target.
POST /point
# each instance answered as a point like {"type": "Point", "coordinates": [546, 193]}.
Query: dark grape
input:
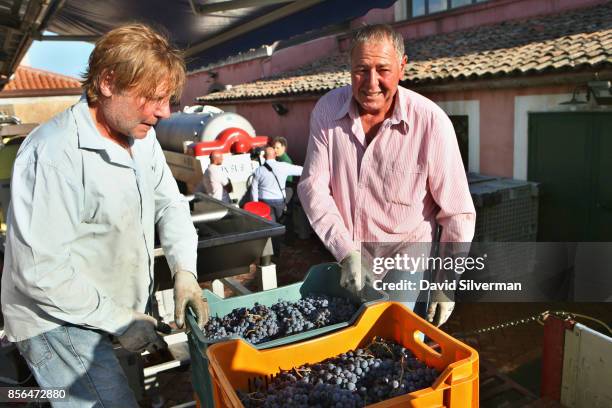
{"type": "Point", "coordinates": [342, 381]}
{"type": "Point", "coordinates": [261, 323]}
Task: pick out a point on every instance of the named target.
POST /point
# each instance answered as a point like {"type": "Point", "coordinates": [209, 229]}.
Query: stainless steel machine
{"type": "Point", "coordinates": [188, 137]}
{"type": "Point", "coordinates": [229, 241]}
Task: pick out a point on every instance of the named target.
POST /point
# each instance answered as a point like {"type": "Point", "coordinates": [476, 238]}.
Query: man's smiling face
{"type": "Point", "coordinates": [375, 74]}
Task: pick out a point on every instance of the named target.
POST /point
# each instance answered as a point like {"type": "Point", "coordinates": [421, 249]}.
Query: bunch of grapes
{"type": "Point", "coordinates": [257, 324]}
{"type": "Point", "coordinates": [261, 323]}
{"type": "Point", "coordinates": [383, 369]}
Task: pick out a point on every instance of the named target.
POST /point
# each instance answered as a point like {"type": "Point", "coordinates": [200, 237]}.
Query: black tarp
{"type": "Point", "coordinates": [95, 17]}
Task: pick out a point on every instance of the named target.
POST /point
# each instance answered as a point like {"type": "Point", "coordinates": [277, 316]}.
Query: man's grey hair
{"type": "Point", "coordinates": [378, 33]}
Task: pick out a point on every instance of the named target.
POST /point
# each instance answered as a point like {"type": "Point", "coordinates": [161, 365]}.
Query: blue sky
{"type": "Point", "coordinates": [62, 57]}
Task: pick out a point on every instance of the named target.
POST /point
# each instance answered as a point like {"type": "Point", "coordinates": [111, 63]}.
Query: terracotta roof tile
{"type": "Point", "coordinates": [31, 80]}
{"type": "Point", "coordinates": [560, 42]}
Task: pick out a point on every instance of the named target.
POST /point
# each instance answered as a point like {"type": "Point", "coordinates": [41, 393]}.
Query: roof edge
{"type": "Point", "coordinates": [281, 98]}
{"type": "Point", "coordinates": [27, 93]}
{"type": "Point", "coordinates": [515, 81]}
{"type": "Point", "coordinates": [47, 72]}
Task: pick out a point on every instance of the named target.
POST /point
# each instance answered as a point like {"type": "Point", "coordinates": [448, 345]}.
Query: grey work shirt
{"type": "Point", "coordinates": [81, 228]}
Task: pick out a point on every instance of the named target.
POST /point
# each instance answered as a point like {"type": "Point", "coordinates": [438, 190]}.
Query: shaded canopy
{"type": "Point", "coordinates": [208, 31]}
{"type": "Point", "coordinates": [219, 34]}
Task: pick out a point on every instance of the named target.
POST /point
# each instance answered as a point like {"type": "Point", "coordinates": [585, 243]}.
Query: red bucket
{"type": "Point", "coordinates": [258, 208]}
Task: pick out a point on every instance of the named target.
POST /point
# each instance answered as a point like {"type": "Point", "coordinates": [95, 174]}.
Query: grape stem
{"type": "Point", "coordinates": [380, 343]}
{"type": "Point", "coordinates": [297, 372]}
{"type": "Point", "coordinates": [251, 397]}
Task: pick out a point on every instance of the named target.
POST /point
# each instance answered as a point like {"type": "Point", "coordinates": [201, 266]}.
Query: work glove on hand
{"type": "Point", "coordinates": [141, 335]}
{"type": "Point", "coordinates": [440, 308]}
{"type": "Point", "coordinates": [187, 292]}
{"type": "Point", "coordinates": [354, 274]}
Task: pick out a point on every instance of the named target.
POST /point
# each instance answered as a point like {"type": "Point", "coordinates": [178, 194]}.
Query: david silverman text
{"type": "Point", "coordinates": [467, 284]}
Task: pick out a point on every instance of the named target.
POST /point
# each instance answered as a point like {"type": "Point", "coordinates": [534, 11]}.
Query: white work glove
{"type": "Point", "coordinates": [354, 274]}
{"type": "Point", "coordinates": [440, 308]}
{"type": "Point", "coordinates": [141, 335]}
{"type": "Point", "coordinates": [187, 292]}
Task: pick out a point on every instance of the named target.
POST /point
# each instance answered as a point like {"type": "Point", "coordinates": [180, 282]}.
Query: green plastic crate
{"type": "Point", "coordinates": [321, 279]}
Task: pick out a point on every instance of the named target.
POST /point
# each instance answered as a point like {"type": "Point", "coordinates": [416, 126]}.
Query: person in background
{"type": "Point", "coordinates": [89, 187]}
{"type": "Point", "coordinates": [280, 148]}
{"type": "Point", "coordinates": [215, 182]}
{"type": "Point", "coordinates": [268, 186]}
{"type": "Point", "coordinates": [383, 165]}
{"type": "Point", "coordinates": [269, 181]}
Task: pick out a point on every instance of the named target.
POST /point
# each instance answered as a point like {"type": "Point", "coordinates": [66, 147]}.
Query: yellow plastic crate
{"type": "Point", "coordinates": [234, 362]}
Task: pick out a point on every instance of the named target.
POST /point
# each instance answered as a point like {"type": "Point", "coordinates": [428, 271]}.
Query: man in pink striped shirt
{"type": "Point", "coordinates": [383, 164]}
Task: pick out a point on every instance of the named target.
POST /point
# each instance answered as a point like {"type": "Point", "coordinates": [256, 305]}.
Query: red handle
{"type": "Point", "coordinates": [231, 140]}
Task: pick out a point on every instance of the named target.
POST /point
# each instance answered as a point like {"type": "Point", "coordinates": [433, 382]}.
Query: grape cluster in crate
{"type": "Point", "coordinates": [381, 370]}
{"type": "Point", "coordinates": [262, 323]}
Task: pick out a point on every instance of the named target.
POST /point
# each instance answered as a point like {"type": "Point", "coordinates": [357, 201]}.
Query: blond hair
{"type": "Point", "coordinates": [139, 59]}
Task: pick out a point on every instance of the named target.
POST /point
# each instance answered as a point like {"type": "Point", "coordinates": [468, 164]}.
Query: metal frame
{"type": "Point", "coordinates": [587, 364]}
{"type": "Point", "coordinates": [88, 38]}
{"type": "Point", "coordinates": [258, 22]}
{"type": "Point", "coordinates": [17, 26]}
{"type": "Point", "coordinates": [47, 9]}
{"type": "Point", "coordinates": [226, 5]}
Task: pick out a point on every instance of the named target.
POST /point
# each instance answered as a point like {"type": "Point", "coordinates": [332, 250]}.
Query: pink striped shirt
{"type": "Point", "coordinates": [394, 190]}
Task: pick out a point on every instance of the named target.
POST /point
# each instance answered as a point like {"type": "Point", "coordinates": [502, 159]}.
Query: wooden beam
{"type": "Point", "coordinates": [208, 8]}
{"type": "Point", "coordinates": [9, 21]}
{"type": "Point", "coordinates": [88, 38]}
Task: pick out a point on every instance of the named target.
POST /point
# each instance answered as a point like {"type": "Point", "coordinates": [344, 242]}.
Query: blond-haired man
{"type": "Point", "coordinates": [88, 189]}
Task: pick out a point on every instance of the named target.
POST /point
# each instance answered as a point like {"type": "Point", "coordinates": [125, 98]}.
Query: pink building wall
{"type": "Point", "coordinates": [496, 122]}
{"type": "Point", "coordinates": [496, 126]}
{"type": "Point", "coordinates": [290, 58]}
{"type": "Point", "coordinates": [294, 125]}
{"type": "Point", "coordinates": [199, 83]}
{"type": "Point", "coordinates": [491, 12]}
{"type": "Point", "coordinates": [494, 11]}
{"type": "Point", "coordinates": [287, 59]}
{"type": "Point", "coordinates": [283, 60]}
{"type": "Point", "coordinates": [496, 106]}
{"type": "Point", "coordinates": [497, 132]}
{"type": "Point", "coordinates": [376, 16]}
